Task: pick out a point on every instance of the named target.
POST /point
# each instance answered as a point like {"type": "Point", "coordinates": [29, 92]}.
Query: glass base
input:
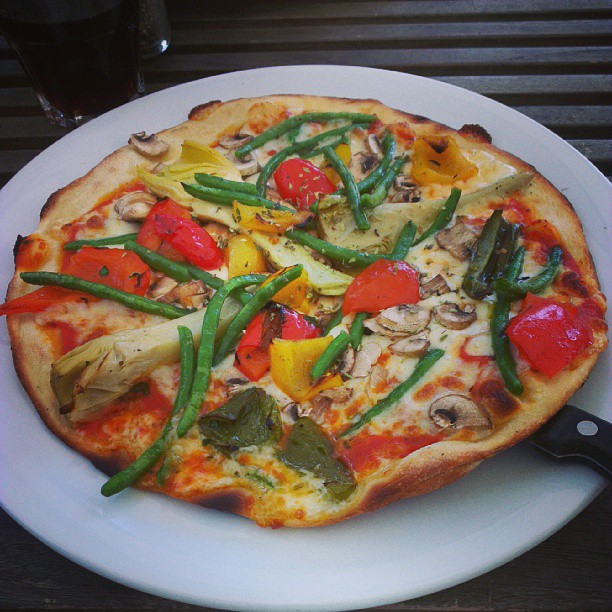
{"type": "Point", "coordinates": [155, 49]}
{"type": "Point", "coordinates": [71, 122]}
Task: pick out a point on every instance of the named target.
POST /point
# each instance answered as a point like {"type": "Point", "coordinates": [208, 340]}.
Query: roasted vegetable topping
{"type": "Point", "coordinates": [249, 418]}
{"type": "Point", "coordinates": [309, 449]}
{"type": "Point", "coordinates": [489, 255]}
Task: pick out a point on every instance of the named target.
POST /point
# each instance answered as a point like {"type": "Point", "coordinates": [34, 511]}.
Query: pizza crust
{"type": "Point", "coordinates": [420, 472]}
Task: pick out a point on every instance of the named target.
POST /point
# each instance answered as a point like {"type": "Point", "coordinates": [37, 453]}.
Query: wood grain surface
{"type": "Point", "coordinates": [548, 59]}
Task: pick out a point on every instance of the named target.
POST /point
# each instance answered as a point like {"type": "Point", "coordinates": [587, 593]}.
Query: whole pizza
{"type": "Point", "coordinates": [299, 309]}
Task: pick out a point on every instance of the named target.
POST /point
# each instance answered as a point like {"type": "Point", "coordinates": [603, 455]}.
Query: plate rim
{"type": "Point", "coordinates": [399, 594]}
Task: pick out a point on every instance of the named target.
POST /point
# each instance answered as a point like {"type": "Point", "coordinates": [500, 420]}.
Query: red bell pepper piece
{"type": "Point", "coordinates": [383, 284]}
{"type": "Point", "coordinates": [253, 352]}
{"type": "Point", "coordinates": [190, 240]}
{"type": "Point", "coordinates": [297, 327]}
{"type": "Point", "coordinates": [41, 299]}
{"type": "Point", "coordinates": [548, 334]}
{"type": "Point", "coordinates": [300, 182]}
{"type": "Point", "coordinates": [113, 267]}
{"type": "Point", "coordinates": [148, 235]}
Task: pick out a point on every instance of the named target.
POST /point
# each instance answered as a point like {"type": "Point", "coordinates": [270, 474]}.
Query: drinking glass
{"type": "Point", "coordinates": [81, 55]}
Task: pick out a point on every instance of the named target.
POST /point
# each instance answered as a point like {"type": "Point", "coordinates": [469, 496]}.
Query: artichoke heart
{"type": "Point", "coordinates": [103, 369]}
{"type": "Point", "coordinates": [337, 225]}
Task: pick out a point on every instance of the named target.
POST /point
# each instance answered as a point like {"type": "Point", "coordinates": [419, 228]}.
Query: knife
{"type": "Point", "coordinates": [576, 434]}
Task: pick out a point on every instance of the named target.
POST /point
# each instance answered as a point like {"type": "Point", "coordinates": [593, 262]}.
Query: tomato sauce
{"type": "Point", "coordinates": [481, 360]}
{"type": "Point", "coordinates": [366, 451]}
{"type": "Point", "coordinates": [125, 412]}
{"type": "Point", "coordinates": [32, 253]}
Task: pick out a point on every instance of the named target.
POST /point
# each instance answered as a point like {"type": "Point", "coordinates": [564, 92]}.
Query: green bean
{"type": "Point", "coordinates": [149, 457]}
{"type": "Point", "coordinates": [444, 217]}
{"type": "Point", "coordinates": [302, 147]}
{"type": "Point", "coordinates": [499, 321]}
{"type": "Point", "coordinates": [356, 332]}
{"type": "Point", "coordinates": [293, 133]}
{"type": "Point", "coordinates": [333, 144]}
{"type": "Point", "coordinates": [404, 242]}
{"type": "Point", "coordinates": [204, 361]}
{"type": "Point", "coordinates": [333, 350]}
{"type": "Point", "coordinates": [260, 298]}
{"type": "Point", "coordinates": [135, 302]}
{"type": "Point", "coordinates": [379, 193]}
{"type": "Point", "coordinates": [158, 262]}
{"type": "Point", "coordinates": [75, 245]}
{"type": "Point", "coordinates": [181, 272]}
{"type": "Point", "coordinates": [348, 257]}
{"type": "Point", "coordinates": [514, 290]}
{"type": "Point", "coordinates": [352, 193]}
{"type": "Point", "coordinates": [292, 122]}
{"type": "Point", "coordinates": [216, 182]}
{"type": "Point", "coordinates": [227, 197]}
{"type": "Point", "coordinates": [422, 367]}
{"type": "Point", "coordinates": [335, 320]}
{"type": "Point", "coordinates": [370, 181]}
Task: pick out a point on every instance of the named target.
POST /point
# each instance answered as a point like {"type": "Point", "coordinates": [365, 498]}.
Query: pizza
{"type": "Point", "coordinates": [299, 309]}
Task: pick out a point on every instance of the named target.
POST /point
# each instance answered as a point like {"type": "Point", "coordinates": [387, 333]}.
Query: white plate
{"type": "Point", "coordinates": [414, 547]}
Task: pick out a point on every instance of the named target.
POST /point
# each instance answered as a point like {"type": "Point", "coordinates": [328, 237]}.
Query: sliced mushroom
{"type": "Point", "coordinates": [365, 358]}
{"type": "Point", "coordinates": [233, 384]}
{"type": "Point", "coordinates": [339, 395]}
{"type": "Point", "coordinates": [403, 183]}
{"type": "Point", "coordinates": [402, 320]}
{"type": "Point", "coordinates": [163, 286]}
{"type": "Point", "coordinates": [362, 164]}
{"type": "Point", "coordinates": [134, 206]}
{"type": "Point", "coordinates": [457, 411]}
{"type": "Point", "coordinates": [347, 361]}
{"type": "Point", "coordinates": [317, 408]}
{"type": "Point", "coordinates": [373, 145]}
{"type": "Point", "coordinates": [235, 141]}
{"type": "Point", "coordinates": [247, 165]}
{"type": "Point", "coordinates": [149, 146]}
{"type": "Point", "coordinates": [193, 294]}
{"type": "Point", "coordinates": [457, 240]}
{"type": "Point", "coordinates": [435, 286]}
{"type": "Point", "coordinates": [413, 195]}
{"type": "Point", "coordinates": [248, 168]}
{"type": "Point", "coordinates": [449, 315]}
{"type": "Point", "coordinates": [292, 410]}
{"type": "Point", "coordinates": [410, 347]}
{"type": "Point", "coordinates": [378, 376]}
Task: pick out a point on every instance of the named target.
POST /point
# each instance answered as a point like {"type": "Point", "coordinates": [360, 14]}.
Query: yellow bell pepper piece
{"type": "Point", "coordinates": [290, 365]}
{"type": "Point", "coordinates": [267, 220]}
{"type": "Point", "coordinates": [295, 294]}
{"type": "Point", "coordinates": [343, 151]}
{"type": "Point", "coordinates": [429, 166]}
{"type": "Point", "coordinates": [243, 257]}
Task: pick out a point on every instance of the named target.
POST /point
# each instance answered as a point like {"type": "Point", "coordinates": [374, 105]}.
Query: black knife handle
{"type": "Point", "coordinates": [572, 432]}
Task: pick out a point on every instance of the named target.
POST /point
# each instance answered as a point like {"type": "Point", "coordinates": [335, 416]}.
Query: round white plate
{"type": "Point", "coordinates": [414, 547]}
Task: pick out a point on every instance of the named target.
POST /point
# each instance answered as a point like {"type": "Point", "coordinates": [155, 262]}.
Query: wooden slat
{"type": "Point", "coordinates": [420, 61]}
{"type": "Point", "coordinates": [496, 34]}
{"type": "Point", "coordinates": [417, 10]}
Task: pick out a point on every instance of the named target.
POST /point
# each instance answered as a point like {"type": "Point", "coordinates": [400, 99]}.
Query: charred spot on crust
{"type": "Point", "coordinates": [108, 465]}
{"type": "Point", "coordinates": [476, 132]}
{"type": "Point", "coordinates": [419, 119]}
{"type": "Point", "coordinates": [572, 282]}
{"type": "Point", "coordinates": [202, 110]}
{"type": "Point", "coordinates": [50, 203]}
{"type": "Point", "coordinates": [20, 240]}
{"type": "Point", "coordinates": [227, 501]}
{"type": "Point", "coordinates": [493, 396]}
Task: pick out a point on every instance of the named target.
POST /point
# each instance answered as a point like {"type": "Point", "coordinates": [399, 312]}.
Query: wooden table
{"type": "Point", "coordinates": [548, 59]}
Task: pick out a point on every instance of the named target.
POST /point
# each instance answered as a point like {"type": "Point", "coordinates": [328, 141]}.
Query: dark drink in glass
{"type": "Point", "coordinates": [81, 55]}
